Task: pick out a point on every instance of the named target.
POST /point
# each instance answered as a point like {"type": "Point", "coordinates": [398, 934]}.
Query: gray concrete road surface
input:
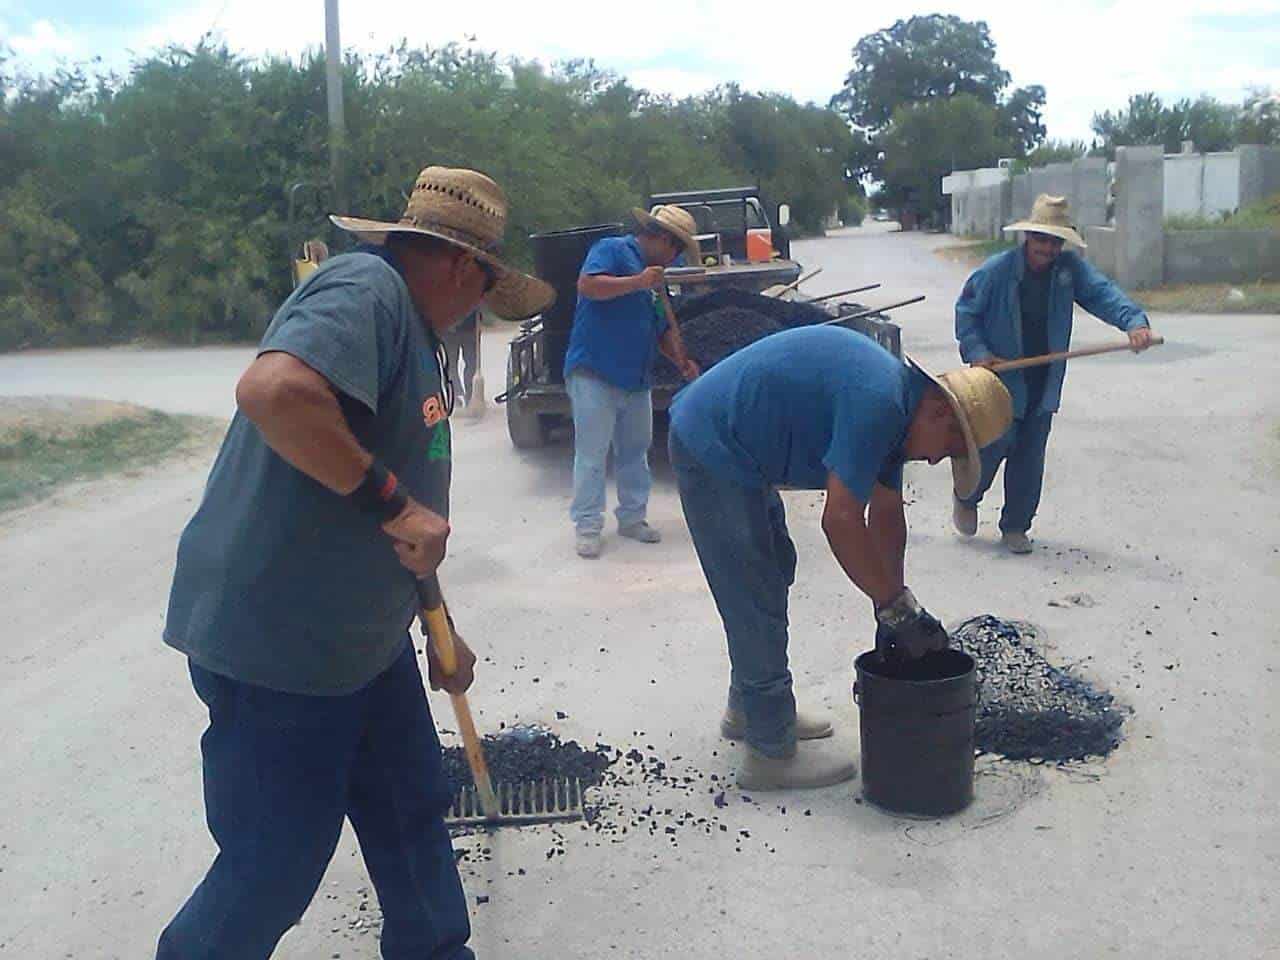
{"type": "Point", "coordinates": [1160, 506]}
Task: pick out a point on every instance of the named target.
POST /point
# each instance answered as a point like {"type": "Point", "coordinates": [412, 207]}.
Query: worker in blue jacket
{"type": "Point", "coordinates": [1019, 304]}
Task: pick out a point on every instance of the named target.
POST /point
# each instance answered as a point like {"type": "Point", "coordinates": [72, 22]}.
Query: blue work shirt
{"type": "Point", "coordinates": [617, 339]}
{"type": "Point", "coordinates": [797, 405]}
{"type": "Point", "coordinates": [989, 317]}
{"type": "Point", "coordinates": [280, 582]}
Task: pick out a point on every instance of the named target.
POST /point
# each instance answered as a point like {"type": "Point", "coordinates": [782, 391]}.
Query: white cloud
{"type": "Point", "coordinates": [42, 42]}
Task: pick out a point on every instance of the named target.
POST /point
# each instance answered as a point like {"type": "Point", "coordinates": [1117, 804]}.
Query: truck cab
{"type": "Point", "coordinates": [732, 223]}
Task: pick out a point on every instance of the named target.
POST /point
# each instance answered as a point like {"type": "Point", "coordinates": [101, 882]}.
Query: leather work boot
{"type": "Point", "coordinates": [1016, 542]}
{"type": "Point", "coordinates": [589, 545]}
{"type": "Point", "coordinates": [965, 518]}
{"type": "Point", "coordinates": [640, 531]}
{"type": "Point", "coordinates": [733, 726]}
{"type": "Point", "coordinates": [810, 766]}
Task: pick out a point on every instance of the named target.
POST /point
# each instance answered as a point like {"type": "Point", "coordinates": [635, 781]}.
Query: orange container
{"type": "Point", "coordinates": [759, 245]}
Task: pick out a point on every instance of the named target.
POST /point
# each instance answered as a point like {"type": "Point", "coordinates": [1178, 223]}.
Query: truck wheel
{"type": "Point", "coordinates": [526, 428]}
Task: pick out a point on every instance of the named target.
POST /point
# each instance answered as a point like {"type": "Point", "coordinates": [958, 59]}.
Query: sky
{"type": "Point", "coordinates": [1089, 55]}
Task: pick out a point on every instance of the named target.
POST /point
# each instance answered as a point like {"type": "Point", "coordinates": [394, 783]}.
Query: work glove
{"type": "Point", "coordinates": [906, 631]}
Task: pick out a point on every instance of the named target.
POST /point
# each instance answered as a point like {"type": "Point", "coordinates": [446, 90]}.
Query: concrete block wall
{"type": "Point", "coordinates": [979, 201]}
{"type": "Point", "coordinates": [1201, 184]}
{"type": "Point", "coordinates": [1083, 182]}
{"type": "Point", "coordinates": [1139, 193]}
{"type": "Point", "coordinates": [1101, 249]}
{"type": "Point", "coordinates": [1221, 256]}
{"type": "Point", "coordinates": [1259, 173]}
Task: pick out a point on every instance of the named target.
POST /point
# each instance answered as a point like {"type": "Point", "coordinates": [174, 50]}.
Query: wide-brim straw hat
{"type": "Point", "coordinates": [1049, 215]}
{"type": "Point", "coordinates": [678, 222]}
{"type": "Point", "coordinates": [985, 410]}
{"type": "Point", "coordinates": [468, 210]}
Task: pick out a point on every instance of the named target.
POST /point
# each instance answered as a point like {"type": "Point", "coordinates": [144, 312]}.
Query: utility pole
{"type": "Point", "coordinates": [337, 125]}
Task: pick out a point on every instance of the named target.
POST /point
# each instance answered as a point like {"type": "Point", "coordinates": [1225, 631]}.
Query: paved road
{"type": "Point", "coordinates": [1160, 505]}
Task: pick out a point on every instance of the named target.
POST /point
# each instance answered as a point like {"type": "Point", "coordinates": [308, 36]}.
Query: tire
{"type": "Point", "coordinates": [526, 428]}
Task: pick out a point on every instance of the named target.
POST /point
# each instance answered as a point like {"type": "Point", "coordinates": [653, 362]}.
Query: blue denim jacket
{"type": "Point", "coordinates": [989, 316]}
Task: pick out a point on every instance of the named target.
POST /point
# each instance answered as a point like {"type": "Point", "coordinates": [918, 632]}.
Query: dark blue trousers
{"type": "Point", "coordinates": [1021, 450]}
{"type": "Point", "coordinates": [746, 553]}
{"type": "Point", "coordinates": [281, 772]}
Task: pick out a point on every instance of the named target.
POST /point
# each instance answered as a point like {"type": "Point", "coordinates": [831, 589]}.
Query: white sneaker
{"type": "Point", "coordinates": [589, 545]}
{"type": "Point", "coordinates": [1016, 542]}
{"type": "Point", "coordinates": [965, 518]}
{"type": "Point", "coordinates": [733, 726]}
{"type": "Point", "coordinates": [809, 767]}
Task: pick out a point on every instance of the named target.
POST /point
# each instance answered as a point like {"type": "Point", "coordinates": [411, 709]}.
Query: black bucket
{"type": "Point", "coordinates": [557, 259]}
{"type": "Point", "coordinates": [917, 723]}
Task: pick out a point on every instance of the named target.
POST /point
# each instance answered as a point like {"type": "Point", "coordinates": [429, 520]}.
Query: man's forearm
{"type": "Point", "coordinates": [299, 417]}
{"type": "Point", "coordinates": [889, 531]}
{"type": "Point", "coordinates": [601, 286]}
{"type": "Point", "coordinates": [861, 556]}
{"type": "Point", "coordinates": [672, 345]}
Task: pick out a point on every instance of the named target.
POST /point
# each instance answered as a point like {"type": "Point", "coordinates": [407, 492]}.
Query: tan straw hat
{"type": "Point", "coordinates": [985, 410]}
{"type": "Point", "coordinates": [1049, 215]}
{"type": "Point", "coordinates": [678, 222]}
{"type": "Point", "coordinates": [469, 210]}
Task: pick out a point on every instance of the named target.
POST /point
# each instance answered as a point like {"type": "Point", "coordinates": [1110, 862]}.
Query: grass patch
{"type": "Point", "coordinates": [1264, 215]}
{"type": "Point", "coordinates": [35, 462]}
{"type": "Point", "coordinates": [1212, 298]}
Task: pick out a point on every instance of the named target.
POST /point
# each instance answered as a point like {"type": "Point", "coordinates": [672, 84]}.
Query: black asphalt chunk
{"type": "Point", "coordinates": [536, 756]}
{"type": "Point", "coordinates": [1030, 709]}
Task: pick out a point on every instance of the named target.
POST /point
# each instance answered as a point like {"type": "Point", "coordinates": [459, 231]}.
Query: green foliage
{"type": "Point", "coordinates": [1260, 117]}
{"type": "Point", "coordinates": [1264, 215]}
{"type": "Point", "coordinates": [926, 141]}
{"type": "Point", "coordinates": [156, 203]}
{"type": "Point", "coordinates": [1052, 151]}
{"type": "Point", "coordinates": [1146, 120]}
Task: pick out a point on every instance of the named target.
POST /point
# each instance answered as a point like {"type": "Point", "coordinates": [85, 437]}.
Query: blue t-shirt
{"type": "Point", "coordinates": [616, 339]}
{"type": "Point", "coordinates": [280, 582]}
{"type": "Point", "coordinates": [789, 409]}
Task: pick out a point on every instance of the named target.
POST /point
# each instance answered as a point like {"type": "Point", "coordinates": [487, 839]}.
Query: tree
{"type": "Point", "coordinates": [926, 141]}
{"type": "Point", "coordinates": [1053, 151]}
{"type": "Point", "coordinates": [1208, 123]}
{"type": "Point", "coordinates": [1260, 117]}
{"type": "Point", "coordinates": [1021, 122]}
{"type": "Point", "coordinates": [919, 59]}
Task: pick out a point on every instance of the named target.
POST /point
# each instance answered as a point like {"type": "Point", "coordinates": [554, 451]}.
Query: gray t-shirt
{"type": "Point", "coordinates": [280, 582]}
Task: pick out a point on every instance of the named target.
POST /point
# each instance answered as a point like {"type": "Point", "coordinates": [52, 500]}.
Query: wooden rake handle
{"type": "Point", "coordinates": [1066, 355]}
{"type": "Point", "coordinates": [795, 283]}
{"type": "Point", "coordinates": [435, 624]}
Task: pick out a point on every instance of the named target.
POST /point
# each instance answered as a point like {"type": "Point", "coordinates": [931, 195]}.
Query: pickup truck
{"type": "Point", "coordinates": [741, 250]}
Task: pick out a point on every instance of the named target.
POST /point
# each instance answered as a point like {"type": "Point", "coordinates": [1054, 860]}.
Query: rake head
{"type": "Point", "coordinates": [522, 802]}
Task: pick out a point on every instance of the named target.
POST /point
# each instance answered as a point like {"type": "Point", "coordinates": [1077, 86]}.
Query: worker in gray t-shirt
{"type": "Point", "coordinates": [295, 585]}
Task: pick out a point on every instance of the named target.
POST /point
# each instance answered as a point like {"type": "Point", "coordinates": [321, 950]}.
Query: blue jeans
{"type": "Point", "coordinates": [740, 535]}
{"type": "Point", "coordinates": [281, 771]}
{"type": "Point", "coordinates": [606, 416]}
{"type": "Point", "coordinates": [1022, 450]}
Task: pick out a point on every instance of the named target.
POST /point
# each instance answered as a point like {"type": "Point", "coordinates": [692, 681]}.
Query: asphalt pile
{"type": "Point", "coordinates": [531, 754]}
{"type": "Point", "coordinates": [1028, 708]}
{"type": "Point", "coordinates": [718, 324]}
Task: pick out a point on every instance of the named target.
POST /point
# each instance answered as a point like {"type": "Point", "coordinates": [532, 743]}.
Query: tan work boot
{"type": "Point", "coordinates": [733, 726]}
{"type": "Point", "coordinates": [1016, 542]}
{"type": "Point", "coordinates": [812, 765]}
{"type": "Point", "coordinates": [965, 518]}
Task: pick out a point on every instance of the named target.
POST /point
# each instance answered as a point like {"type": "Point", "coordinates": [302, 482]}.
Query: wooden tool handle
{"type": "Point", "coordinates": [1066, 355]}
{"type": "Point", "coordinates": [795, 283]}
{"type": "Point", "coordinates": [435, 621]}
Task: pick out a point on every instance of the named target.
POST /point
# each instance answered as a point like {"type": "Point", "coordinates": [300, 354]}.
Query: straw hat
{"type": "Point", "coordinates": [468, 210]}
{"type": "Point", "coordinates": [1049, 215]}
{"type": "Point", "coordinates": [985, 410]}
{"type": "Point", "coordinates": [678, 222]}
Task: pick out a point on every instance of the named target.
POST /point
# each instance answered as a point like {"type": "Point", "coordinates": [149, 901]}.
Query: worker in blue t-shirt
{"type": "Point", "coordinates": [818, 408]}
{"type": "Point", "coordinates": [616, 330]}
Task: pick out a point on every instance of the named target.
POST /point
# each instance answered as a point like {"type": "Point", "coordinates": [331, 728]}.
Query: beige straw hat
{"type": "Point", "coordinates": [1049, 215]}
{"type": "Point", "coordinates": [678, 222]}
{"type": "Point", "coordinates": [469, 210]}
{"type": "Point", "coordinates": [985, 410]}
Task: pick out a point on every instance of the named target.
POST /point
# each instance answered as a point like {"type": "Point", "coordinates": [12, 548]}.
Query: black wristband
{"type": "Point", "coordinates": [379, 493]}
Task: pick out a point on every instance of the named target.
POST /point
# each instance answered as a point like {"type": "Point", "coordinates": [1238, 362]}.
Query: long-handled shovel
{"type": "Point", "coordinates": [483, 803]}
{"type": "Point", "coordinates": [1066, 355]}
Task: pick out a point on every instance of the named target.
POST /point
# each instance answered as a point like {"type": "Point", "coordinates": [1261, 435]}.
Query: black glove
{"type": "Point", "coordinates": [906, 631]}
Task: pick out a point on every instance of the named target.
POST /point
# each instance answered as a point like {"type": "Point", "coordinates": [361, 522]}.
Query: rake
{"type": "Point", "coordinates": [484, 803]}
